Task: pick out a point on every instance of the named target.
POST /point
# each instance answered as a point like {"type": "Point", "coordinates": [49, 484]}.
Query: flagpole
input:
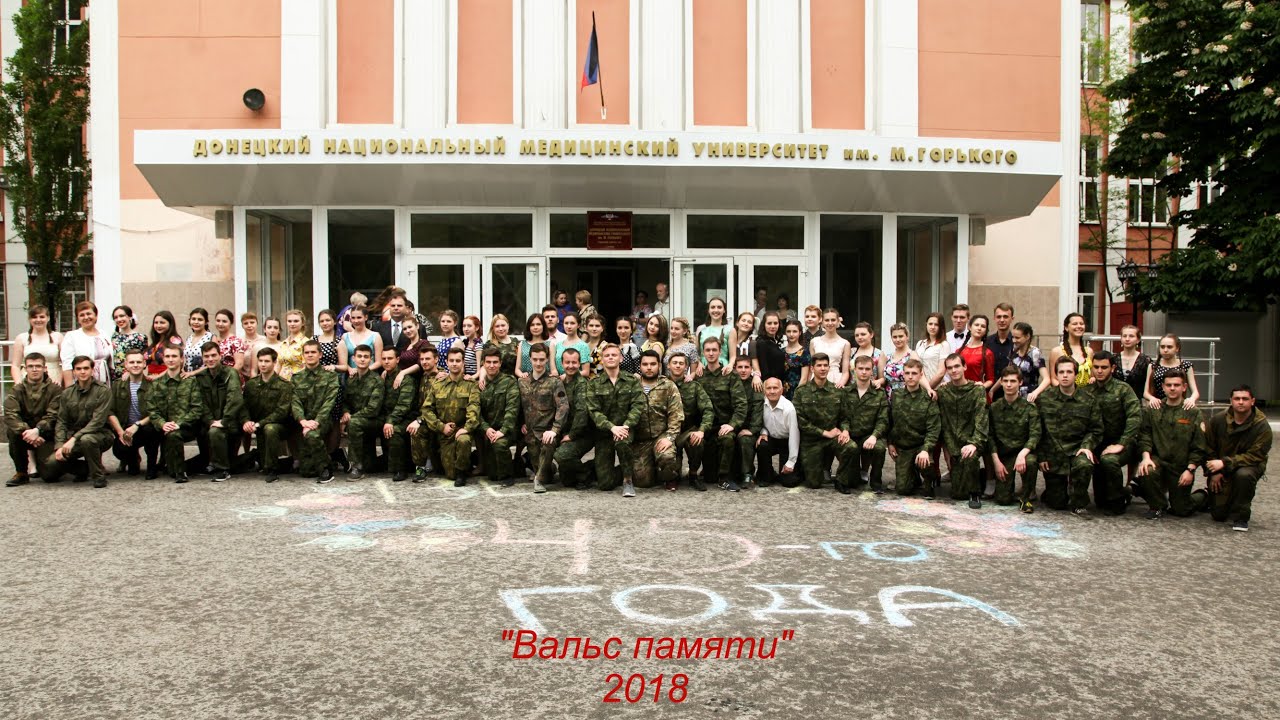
{"type": "Point", "coordinates": [599, 67]}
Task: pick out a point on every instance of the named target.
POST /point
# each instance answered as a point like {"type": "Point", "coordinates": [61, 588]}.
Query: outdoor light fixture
{"type": "Point", "coordinates": [1127, 271]}
{"type": "Point", "coordinates": [33, 269]}
{"type": "Point", "coordinates": [254, 99]}
{"type": "Point", "coordinates": [68, 270]}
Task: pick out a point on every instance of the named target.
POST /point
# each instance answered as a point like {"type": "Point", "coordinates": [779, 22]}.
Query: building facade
{"type": "Point", "coordinates": [886, 157]}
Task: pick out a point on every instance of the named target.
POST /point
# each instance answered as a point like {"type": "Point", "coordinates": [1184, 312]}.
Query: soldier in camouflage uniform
{"type": "Point", "coordinates": [1071, 425]}
{"type": "Point", "coordinates": [81, 430]}
{"type": "Point", "coordinates": [268, 400]}
{"type": "Point", "coordinates": [730, 404]}
{"type": "Point", "coordinates": [361, 412]}
{"type": "Point", "coordinates": [315, 390]}
{"type": "Point", "coordinates": [744, 460]}
{"type": "Point", "coordinates": [397, 407]}
{"type": "Point", "coordinates": [820, 415]}
{"type": "Point", "coordinates": [1172, 445]}
{"type": "Point", "coordinates": [30, 417]}
{"type": "Point", "coordinates": [660, 422]}
{"type": "Point", "coordinates": [174, 407]}
{"type": "Point", "coordinates": [221, 411]}
{"type": "Point", "coordinates": [914, 427]}
{"type": "Point", "coordinates": [866, 419]}
{"type": "Point", "coordinates": [698, 417]}
{"type": "Point", "coordinates": [579, 433]}
{"type": "Point", "coordinates": [424, 444]}
{"type": "Point", "coordinates": [546, 407]}
{"type": "Point", "coordinates": [129, 420]}
{"type": "Point", "coordinates": [499, 415]}
{"type": "Point", "coordinates": [615, 402]}
{"type": "Point", "coordinates": [1237, 440]}
{"type": "Point", "coordinates": [962, 406]}
{"type": "Point", "coordinates": [1015, 432]}
{"type": "Point", "coordinates": [451, 410]}
{"type": "Point", "coordinates": [1121, 414]}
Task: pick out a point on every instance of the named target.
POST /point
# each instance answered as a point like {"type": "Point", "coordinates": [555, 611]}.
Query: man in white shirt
{"type": "Point", "coordinates": [781, 437]}
{"type": "Point", "coordinates": [959, 334]}
{"type": "Point", "coordinates": [662, 302]}
{"type": "Point", "coordinates": [549, 318]}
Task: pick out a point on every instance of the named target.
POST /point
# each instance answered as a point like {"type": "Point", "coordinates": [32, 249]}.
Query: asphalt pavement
{"type": "Point", "coordinates": [374, 599]}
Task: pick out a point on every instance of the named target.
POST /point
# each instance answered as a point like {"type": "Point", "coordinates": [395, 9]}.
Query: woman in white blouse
{"type": "Point", "coordinates": [37, 339]}
{"type": "Point", "coordinates": [88, 341]}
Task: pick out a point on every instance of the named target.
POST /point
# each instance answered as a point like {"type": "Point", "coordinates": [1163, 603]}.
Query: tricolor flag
{"type": "Point", "coordinates": [591, 68]}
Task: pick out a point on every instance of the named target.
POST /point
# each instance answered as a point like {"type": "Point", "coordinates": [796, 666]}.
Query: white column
{"type": "Point", "coordinates": [889, 274]}
{"type": "Point", "coordinates": [661, 59]}
{"type": "Point", "coordinates": [104, 152]}
{"type": "Point", "coordinates": [240, 262]}
{"type": "Point", "coordinates": [897, 74]}
{"type": "Point", "coordinates": [1069, 190]}
{"type": "Point", "coordinates": [427, 48]}
{"type": "Point", "coordinates": [320, 258]}
{"type": "Point", "coordinates": [962, 259]}
{"type": "Point", "coordinates": [778, 64]}
{"type": "Point", "coordinates": [544, 44]}
{"type": "Point", "coordinates": [15, 280]}
{"type": "Point", "coordinates": [303, 64]}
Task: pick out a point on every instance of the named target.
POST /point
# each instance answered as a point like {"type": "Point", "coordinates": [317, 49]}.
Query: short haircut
{"type": "Point", "coordinates": [1105, 355]}
{"type": "Point", "coordinates": [490, 352]}
{"type": "Point", "coordinates": [250, 315]}
{"type": "Point", "coordinates": [86, 305]}
{"type": "Point", "coordinates": [309, 344]}
{"type": "Point", "coordinates": [541, 348]}
{"type": "Point", "coordinates": [1175, 374]}
{"type": "Point", "coordinates": [1011, 370]}
{"type": "Point", "coordinates": [1066, 360]}
{"type": "Point", "coordinates": [711, 340]}
{"type": "Point", "coordinates": [960, 306]}
{"type": "Point", "coordinates": [651, 354]}
{"type": "Point", "coordinates": [211, 345]}
{"type": "Point", "coordinates": [569, 350]}
{"type": "Point", "coordinates": [35, 356]}
{"type": "Point", "coordinates": [1006, 307]}
{"type": "Point", "coordinates": [740, 359]}
{"type": "Point", "coordinates": [821, 357]}
{"type": "Point", "coordinates": [1242, 388]}
{"type": "Point", "coordinates": [545, 308]}
{"type": "Point", "coordinates": [583, 296]}
{"type": "Point", "coordinates": [268, 352]}
{"type": "Point", "coordinates": [455, 350]}
{"type": "Point", "coordinates": [863, 360]}
{"type": "Point", "coordinates": [174, 348]}
{"type": "Point", "coordinates": [954, 356]}
{"type": "Point", "coordinates": [385, 350]}
{"type": "Point", "coordinates": [429, 349]}
{"type": "Point", "coordinates": [679, 356]}
{"type": "Point", "coordinates": [913, 363]}
{"type": "Point", "coordinates": [81, 359]}
{"type": "Point", "coordinates": [362, 348]}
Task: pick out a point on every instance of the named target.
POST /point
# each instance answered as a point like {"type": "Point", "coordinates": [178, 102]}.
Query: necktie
{"type": "Point", "coordinates": [395, 332]}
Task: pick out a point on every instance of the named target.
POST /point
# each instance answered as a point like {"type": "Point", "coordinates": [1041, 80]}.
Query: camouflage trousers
{"type": "Point", "coordinates": [1161, 490]}
{"type": "Point", "coordinates": [540, 455]}
{"type": "Point", "coordinates": [1005, 488]}
{"type": "Point", "coordinates": [495, 456]}
{"type": "Point", "coordinates": [314, 454]}
{"type": "Point", "coordinates": [568, 456]}
{"type": "Point", "coordinates": [362, 438]}
{"type": "Point", "coordinates": [965, 473]}
{"type": "Point", "coordinates": [1066, 484]}
{"type": "Point", "coordinates": [455, 454]}
{"type": "Point", "coordinates": [606, 472]}
{"type": "Point", "coordinates": [816, 454]}
{"type": "Point", "coordinates": [647, 458]}
{"type": "Point", "coordinates": [907, 475]}
{"type": "Point", "coordinates": [873, 459]}
{"type": "Point", "coordinates": [425, 447]}
{"type": "Point", "coordinates": [1110, 491]}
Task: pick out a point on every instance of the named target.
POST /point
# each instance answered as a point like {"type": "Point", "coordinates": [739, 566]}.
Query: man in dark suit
{"type": "Point", "coordinates": [390, 330]}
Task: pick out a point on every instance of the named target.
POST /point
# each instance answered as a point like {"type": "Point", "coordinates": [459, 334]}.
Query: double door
{"type": "Point", "coordinates": [470, 285]}
{"type": "Point", "coordinates": [743, 282]}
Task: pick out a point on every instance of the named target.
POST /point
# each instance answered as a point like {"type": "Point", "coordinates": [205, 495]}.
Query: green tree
{"type": "Point", "coordinates": [44, 106]}
{"type": "Point", "coordinates": [1206, 93]}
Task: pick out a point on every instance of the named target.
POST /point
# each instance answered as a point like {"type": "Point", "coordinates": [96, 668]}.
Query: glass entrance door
{"type": "Point", "coordinates": [777, 282]}
{"type": "Point", "coordinates": [515, 287]}
{"type": "Point", "coordinates": [437, 283]}
{"type": "Point", "coordinates": [697, 281]}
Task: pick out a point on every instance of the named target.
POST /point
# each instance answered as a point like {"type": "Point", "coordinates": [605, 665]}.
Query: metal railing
{"type": "Point", "coordinates": [1190, 351]}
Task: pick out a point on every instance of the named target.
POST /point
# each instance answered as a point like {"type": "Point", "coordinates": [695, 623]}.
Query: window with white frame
{"type": "Point", "coordinates": [1148, 204]}
{"type": "Point", "coordinates": [1090, 180]}
{"type": "Point", "coordinates": [1087, 297]}
{"type": "Point", "coordinates": [66, 20]}
{"type": "Point", "coordinates": [1209, 190]}
{"type": "Point", "coordinates": [1092, 41]}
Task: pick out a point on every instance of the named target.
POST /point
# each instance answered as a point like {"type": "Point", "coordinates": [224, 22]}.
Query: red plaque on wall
{"type": "Point", "coordinates": [608, 230]}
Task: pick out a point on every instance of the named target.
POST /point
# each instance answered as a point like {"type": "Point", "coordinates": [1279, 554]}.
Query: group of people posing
{"type": "Point", "coordinates": [730, 398]}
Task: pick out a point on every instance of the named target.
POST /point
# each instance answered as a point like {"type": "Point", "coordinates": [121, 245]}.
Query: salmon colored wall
{"type": "Point", "coordinates": [613, 34]}
{"type": "Point", "coordinates": [719, 62]}
{"type": "Point", "coordinates": [838, 63]}
{"type": "Point", "coordinates": [366, 61]}
{"type": "Point", "coordinates": [990, 69]}
{"type": "Point", "coordinates": [485, 83]}
{"type": "Point", "coordinates": [187, 65]}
